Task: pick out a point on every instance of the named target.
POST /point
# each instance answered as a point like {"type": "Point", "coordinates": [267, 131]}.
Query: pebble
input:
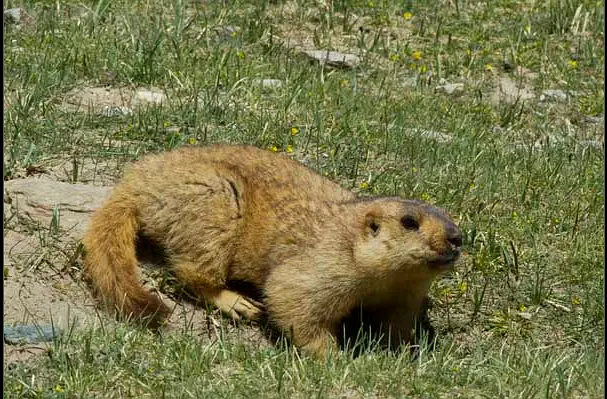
{"type": "Point", "coordinates": [451, 88]}
{"type": "Point", "coordinates": [30, 334]}
{"type": "Point", "coordinates": [268, 83]}
{"type": "Point", "coordinates": [554, 94]}
{"type": "Point", "coordinates": [149, 96]}
{"type": "Point", "coordinates": [333, 58]}
{"type": "Point", "coordinates": [12, 16]}
{"type": "Point", "coordinates": [116, 111]}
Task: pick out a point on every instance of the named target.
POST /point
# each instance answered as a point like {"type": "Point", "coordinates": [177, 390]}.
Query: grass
{"type": "Point", "coordinates": [522, 315]}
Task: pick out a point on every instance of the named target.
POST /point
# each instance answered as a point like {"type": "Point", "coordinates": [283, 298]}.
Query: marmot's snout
{"type": "Point", "coordinates": [445, 237]}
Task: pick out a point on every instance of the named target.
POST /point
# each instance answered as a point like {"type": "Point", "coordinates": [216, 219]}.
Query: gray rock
{"type": "Point", "coordinates": [508, 91]}
{"type": "Point", "coordinates": [451, 88]}
{"type": "Point", "coordinates": [333, 58]}
{"type": "Point", "coordinates": [37, 197]}
{"type": "Point", "coordinates": [554, 95]}
{"type": "Point", "coordinates": [12, 16]}
{"type": "Point", "coordinates": [116, 111]}
{"type": "Point", "coordinates": [149, 96]}
{"type": "Point", "coordinates": [30, 334]}
{"type": "Point", "coordinates": [269, 83]}
{"type": "Point", "coordinates": [592, 143]}
{"type": "Point", "coordinates": [594, 120]}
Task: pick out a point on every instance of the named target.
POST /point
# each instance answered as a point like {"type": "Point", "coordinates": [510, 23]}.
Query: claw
{"type": "Point", "coordinates": [237, 306]}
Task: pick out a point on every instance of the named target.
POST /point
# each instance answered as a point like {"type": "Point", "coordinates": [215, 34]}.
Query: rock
{"type": "Point", "coordinates": [268, 83]}
{"type": "Point", "coordinates": [149, 96]}
{"type": "Point", "coordinates": [30, 334]}
{"type": "Point", "coordinates": [593, 120]}
{"type": "Point", "coordinates": [509, 91]}
{"type": "Point", "coordinates": [96, 99]}
{"type": "Point", "coordinates": [36, 197]}
{"type": "Point", "coordinates": [227, 32]}
{"type": "Point", "coordinates": [451, 88]}
{"type": "Point", "coordinates": [554, 95]}
{"type": "Point", "coordinates": [333, 58]}
{"type": "Point", "coordinates": [8, 212]}
{"type": "Point", "coordinates": [592, 143]}
{"type": "Point", "coordinates": [430, 134]}
{"type": "Point", "coordinates": [116, 111]}
{"type": "Point", "coordinates": [12, 16]}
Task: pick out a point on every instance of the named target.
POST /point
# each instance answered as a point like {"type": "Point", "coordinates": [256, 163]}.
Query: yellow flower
{"type": "Point", "coordinates": [166, 123]}
{"type": "Point", "coordinates": [425, 196]}
{"type": "Point", "coordinates": [240, 54]}
{"type": "Point", "coordinates": [422, 69]}
{"type": "Point", "coordinates": [572, 64]}
{"type": "Point", "coordinates": [274, 148]}
{"type": "Point", "coordinates": [289, 148]}
{"type": "Point", "coordinates": [59, 388]}
{"type": "Point", "coordinates": [192, 140]}
{"type": "Point", "coordinates": [294, 131]}
{"type": "Point", "coordinates": [514, 215]}
{"type": "Point", "coordinates": [364, 185]}
{"type": "Point", "coordinates": [463, 287]}
{"type": "Point", "coordinates": [394, 57]}
{"type": "Point", "coordinates": [407, 16]}
{"type": "Point", "coordinates": [576, 300]}
{"type": "Point", "coordinates": [415, 170]}
{"type": "Point", "coordinates": [417, 55]}
{"type": "Point", "coordinates": [488, 67]}
{"type": "Point", "coordinates": [522, 308]}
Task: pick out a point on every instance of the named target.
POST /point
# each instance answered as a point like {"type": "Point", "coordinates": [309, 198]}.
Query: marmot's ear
{"type": "Point", "coordinates": [372, 224]}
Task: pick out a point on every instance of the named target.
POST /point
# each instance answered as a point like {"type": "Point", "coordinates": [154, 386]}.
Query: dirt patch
{"type": "Point", "coordinates": [110, 100]}
{"type": "Point", "coordinates": [42, 267]}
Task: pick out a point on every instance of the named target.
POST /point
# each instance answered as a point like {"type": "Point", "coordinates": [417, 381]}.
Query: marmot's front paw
{"type": "Point", "coordinates": [237, 306]}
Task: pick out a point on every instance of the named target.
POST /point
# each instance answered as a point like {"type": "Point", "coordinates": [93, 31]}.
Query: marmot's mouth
{"type": "Point", "coordinates": [445, 260]}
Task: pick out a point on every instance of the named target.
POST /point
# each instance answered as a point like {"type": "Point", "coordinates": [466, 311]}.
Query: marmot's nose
{"type": "Point", "coordinates": [454, 235]}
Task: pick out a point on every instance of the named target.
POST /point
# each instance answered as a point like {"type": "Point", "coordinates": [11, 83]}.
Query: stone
{"type": "Point", "coordinates": [96, 99]}
{"type": "Point", "coordinates": [509, 91]}
{"type": "Point", "coordinates": [30, 334]}
{"type": "Point", "coordinates": [333, 58]}
{"type": "Point", "coordinates": [37, 197]}
{"type": "Point", "coordinates": [451, 88]}
{"type": "Point", "coordinates": [12, 16]}
{"type": "Point", "coordinates": [149, 96]}
{"type": "Point", "coordinates": [116, 111]}
{"type": "Point", "coordinates": [269, 83]}
{"type": "Point", "coordinates": [593, 120]}
{"type": "Point", "coordinates": [554, 95]}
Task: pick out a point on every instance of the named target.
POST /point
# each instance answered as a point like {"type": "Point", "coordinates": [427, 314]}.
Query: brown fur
{"type": "Point", "coordinates": [240, 213]}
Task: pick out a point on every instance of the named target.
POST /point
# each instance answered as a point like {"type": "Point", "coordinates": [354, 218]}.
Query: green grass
{"type": "Point", "coordinates": [522, 315]}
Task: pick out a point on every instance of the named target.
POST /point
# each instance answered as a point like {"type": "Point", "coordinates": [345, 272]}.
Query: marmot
{"type": "Point", "coordinates": [238, 213]}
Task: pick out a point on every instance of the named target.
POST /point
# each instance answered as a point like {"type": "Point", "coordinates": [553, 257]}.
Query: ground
{"type": "Point", "coordinates": [492, 110]}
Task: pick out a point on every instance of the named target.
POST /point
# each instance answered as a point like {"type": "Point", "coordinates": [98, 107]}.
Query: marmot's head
{"type": "Point", "coordinates": [411, 238]}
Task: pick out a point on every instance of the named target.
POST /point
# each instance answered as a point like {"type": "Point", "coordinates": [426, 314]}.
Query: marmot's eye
{"type": "Point", "coordinates": [409, 223]}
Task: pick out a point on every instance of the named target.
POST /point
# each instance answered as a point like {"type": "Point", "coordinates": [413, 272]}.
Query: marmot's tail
{"type": "Point", "coordinates": [111, 266]}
